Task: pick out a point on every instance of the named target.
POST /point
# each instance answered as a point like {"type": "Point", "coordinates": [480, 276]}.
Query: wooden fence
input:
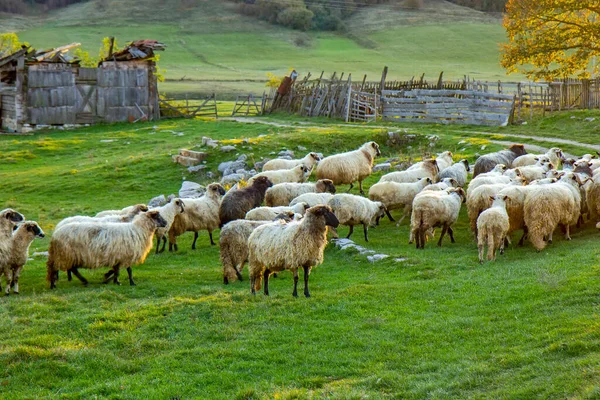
{"type": "Point", "coordinates": [448, 107]}
{"type": "Point", "coordinates": [172, 108]}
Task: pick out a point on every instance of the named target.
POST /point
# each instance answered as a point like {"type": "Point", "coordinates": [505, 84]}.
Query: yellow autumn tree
{"type": "Point", "coordinates": [10, 43]}
{"type": "Point", "coordinates": [550, 39]}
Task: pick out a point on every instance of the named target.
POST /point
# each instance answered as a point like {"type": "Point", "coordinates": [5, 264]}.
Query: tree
{"type": "Point", "coordinates": [551, 39]}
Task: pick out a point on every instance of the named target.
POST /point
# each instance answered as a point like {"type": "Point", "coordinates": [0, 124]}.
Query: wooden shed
{"type": "Point", "coordinates": [41, 89]}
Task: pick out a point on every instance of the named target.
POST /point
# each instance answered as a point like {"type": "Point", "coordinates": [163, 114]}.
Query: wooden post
{"type": "Point", "coordinates": [111, 48]}
{"type": "Point", "coordinates": [363, 82]}
{"type": "Point", "coordinates": [383, 76]}
{"type": "Point", "coordinates": [440, 82]}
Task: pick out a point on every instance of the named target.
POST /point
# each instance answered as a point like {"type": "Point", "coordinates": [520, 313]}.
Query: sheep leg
{"type": "Point", "coordinates": [360, 187]}
{"type": "Point", "coordinates": [8, 274]}
{"type": "Point", "coordinates": [295, 292]}
{"type": "Point", "coordinates": [164, 242]}
{"type": "Point", "coordinates": [389, 216]}
{"type": "Point", "coordinates": [14, 284]}
{"type": "Point", "coordinates": [266, 278]}
{"type": "Point", "coordinates": [480, 247]}
{"type": "Point", "coordinates": [444, 230]}
{"type": "Point", "coordinates": [108, 275]}
{"type": "Point", "coordinates": [225, 280]}
{"type": "Point", "coordinates": [238, 273]}
{"type": "Point", "coordinates": [252, 284]}
{"type": "Point", "coordinates": [116, 270]}
{"type": "Point", "coordinates": [157, 244]}
{"type": "Point", "coordinates": [366, 230]}
{"type": "Point", "coordinates": [351, 186]}
{"type": "Point", "coordinates": [211, 239]}
{"type": "Point", "coordinates": [306, 275]}
{"type": "Point", "coordinates": [194, 242]}
{"type": "Point", "coordinates": [451, 233]}
{"type": "Point", "coordinates": [502, 243]}
{"type": "Point", "coordinates": [351, 230]}
{"type": "Point", "coordinates": [521, 241]}
{"type": "Point", "coordinates": [567, 232]}
{"type": "Point", "coordinates": [131, 282]}
{"type": "Point", "coordinates": [75, 271]}
{"type": "Point", "coordinates": [69, 275]}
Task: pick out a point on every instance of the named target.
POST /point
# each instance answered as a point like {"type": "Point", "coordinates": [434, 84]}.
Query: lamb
{"type": "Point", "coordinates": [550, 205]}
{"type": "Point", "coordinates": [312, 199]}
{"type": "Point", "coordinates": [532, 172]}
{"type": "Point", "coordinates": [275, 247]}
{"type": "Point", "coordinates": [458, 171]}
{"type": "Point", "coordinates": [429, 169]}
{"type": "Point", "coordinates": [233, 243]}
{"type": "Point", "coordinates": [515, 207]}
{"type": "Point", "coordinates": [299, 173]}
{"type": "Point", "coordinates": [169, 211]}
{"type": "Point", "coordinates": [237, 203]}
{"type": "Point", "coordinates": [109, 244]}
{"type": "Point", "coordinates": [443, 160]}
{"type": "Point", "coordinates": [20, 242]}
{"type": "Point", "coordinates": [554, 155]}
{"type": "Point", "coordinates": [486, 162]}
{"type": "Point", "coordinates": [283, 193]}
{"type": "Point", "coordinates": [269, 213]}
{"type": "Point", "coordinates": [434, 209]}
{"type": "Point", "coordinates": [309, 161]}
{"type": "Point", "coordinates": [395, 195]}
{"type": "Point", "coordinates": [349, 167]}
{"type": "Point", "coordinates": [442, 185]}
{"type": "Point", "coordinates": [200, 214]}
{"type": "Point", "coordinates": [135, 209]}
{"type": "Point", "coordinates": [354, 210]}
{"type": "Point", "coordinates": [492, 227]}
{"type": "Point", "coordinates": [479, 200]}
{"type": "Point", "coordinates": [8, 219]}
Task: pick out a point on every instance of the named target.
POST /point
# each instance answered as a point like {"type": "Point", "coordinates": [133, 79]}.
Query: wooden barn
{"type": "Point", "coordinates": [48, 88]}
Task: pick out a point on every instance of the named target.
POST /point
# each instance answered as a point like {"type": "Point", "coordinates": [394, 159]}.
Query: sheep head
{"type": "Point", "coordinates": [518, 149]}
{"type": "Point", "coordinates": [12, 215]}
{"type": "Point", "coordinates": [32, 228]}
{"type": "Point", "coordinates": [315, 156]}
{"type": "Point", "coordinates": [157, 218]}
{"type": "Point", "coordinates": [262, 183]}
{"type": "Point", "coordinates": [179, 203]}
{"type": "Point", "coordinates": [325, 212]}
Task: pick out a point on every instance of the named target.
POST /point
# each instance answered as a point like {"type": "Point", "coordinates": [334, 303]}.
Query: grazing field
{"type": "Point", "coordinates": [212, 48]}
{"type": "Point", "coordinates": [434, 325]}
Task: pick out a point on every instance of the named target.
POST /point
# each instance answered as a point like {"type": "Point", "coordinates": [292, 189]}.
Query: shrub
{"type": "Point", "coordinates": [297, 18]}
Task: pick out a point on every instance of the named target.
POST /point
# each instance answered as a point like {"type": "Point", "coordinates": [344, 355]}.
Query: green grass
{"type": "Point", "coordinates": [437, 325]}
{"type": "Point", "coordinates": [212, 48]}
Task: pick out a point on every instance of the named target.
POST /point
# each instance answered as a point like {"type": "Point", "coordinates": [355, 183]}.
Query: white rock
{"type": "Point", "coordinates": [191, 190]}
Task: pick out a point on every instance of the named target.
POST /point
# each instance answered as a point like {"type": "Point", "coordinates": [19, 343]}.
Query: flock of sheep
{"type": "Point", "coordinates": [510, 190]}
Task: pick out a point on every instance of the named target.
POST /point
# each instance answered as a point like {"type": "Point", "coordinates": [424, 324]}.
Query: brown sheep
{"type": "Point", "coordinates": [238, 202]}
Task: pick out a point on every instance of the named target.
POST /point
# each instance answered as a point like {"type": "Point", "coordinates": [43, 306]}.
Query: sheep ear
{"type": "Point", "coordinates": [492, 198]}
{"type": "Point", "coordinates": [505, 197]}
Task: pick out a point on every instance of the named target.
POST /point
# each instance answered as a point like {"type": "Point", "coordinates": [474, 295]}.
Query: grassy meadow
{"type": "Point", "coordinates": [211, 48]}
{"type": "Point", "coordinates": [434, 325]}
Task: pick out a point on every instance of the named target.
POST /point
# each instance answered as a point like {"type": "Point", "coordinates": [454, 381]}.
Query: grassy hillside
{"type": "Point", "coordinates": [211, 48]}
{"type": "Point", "coordinates": [436, 325]}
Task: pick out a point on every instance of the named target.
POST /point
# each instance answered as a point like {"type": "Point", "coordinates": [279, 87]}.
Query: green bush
{"type": "Point", "coordinates": [297, 18]}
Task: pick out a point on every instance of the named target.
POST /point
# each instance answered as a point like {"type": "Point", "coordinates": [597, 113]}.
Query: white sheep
{"type": "Point", "coordinates": [309, 161]}
{"type": "Point", "coordinates": [395, 195]}
{"type": "Point", "coordinates": [21, 239]}
{"type": "Point", "coordinates": [554, 155]}
{"type": "Point", "coordinates": [428, 169]}
{"type": "Point", "coordinates": [169, 211]}
{"type": "Point", "coordinates": [282, 194]}
{"type": "Point", "coordinates": [497, 170]}
{"type": "Point", "coordinates": [8, 219]}
{"type": "Point", "coordinates": [492, 227]}
{"type": "Point", "coordinates": [312, 199]}
{"type": "Point", "coordinates": [135, 209]}
{"type": "Point", "coordinates": [299, 173]}
{"type": "Point", "coordinates": [356, 210]}
{"type": "Point", "coordinates": [442, 184]}
{"type": "Point", "coordinates": [200, 214]}
{"type": "Point", "coordinates": [269, 213]}
{"type": "Point", "coordinates": [349, 167]}
{"type": "Point", "coordinates": [443, 160]}
{"type": "Point", "coordinates": [433, 209]}
{"type": "Point", "coordinates": [532, 172]}
{"type": "Point", "coordinates": [276, 247]}
{"type": "Point", "coordinates": [96, 245]}
{"type": "Point", "coordinates": [458, 171]}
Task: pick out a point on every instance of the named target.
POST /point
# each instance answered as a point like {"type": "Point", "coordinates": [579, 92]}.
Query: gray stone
{"type": "Point", "coordinates": [229, 167]}
{"type": "Point", "coordinates": [302, 148]}
{"type": "Point", "coordinates": [232, 179]}
{"type": "Point", "coordinates": [286, 153]}
{"type": "Point", "coordinates": [243, 157]}
{"type": "Point", "coordinates": [197, 168]}
{"type": "Point", "coordinates": [191, 190]}
{"type": "Point", "coordinates": [382, 167]}
{"type": "Point", "coordinates": [590, 119]}
{"type": "Point", "coordinates": [171, 197]}
{"type": "Point", "coordinates": [210, 175]}
{"type": "Point", "coordinates": [107, 140]}
{"type": "Point", "coordinates": [377, 257]}
{"type": "Point", "coordinates": [157, 201]}
{"type": "Point", "coordinates": [401, 259]}
{"type": "Point", "coordinates": [40, 254]}
{"type": "Point", "coordinates": [393, 160]}
{"type": "Point", "coordinates": [284, 157]}
{"type": "Point", "coordinates": [227, 149]}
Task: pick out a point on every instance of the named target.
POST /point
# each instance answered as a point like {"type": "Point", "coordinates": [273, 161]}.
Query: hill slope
{"type": "Point", "coordinates": [212, 48]}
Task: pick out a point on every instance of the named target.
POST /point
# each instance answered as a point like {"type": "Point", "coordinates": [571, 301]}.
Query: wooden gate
{"type": "Point", "coordinates": [86, 96]}
{"type": "Point", "coordinates": [362, 107]}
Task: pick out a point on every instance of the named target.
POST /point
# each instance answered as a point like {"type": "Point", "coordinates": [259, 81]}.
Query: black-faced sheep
{"type": "Point", "coordinates": [237, 203]}
{"type": "Point", "coordinates": [200, 214]}
{"type": "Point", "coordinates": [487, 162]}
{"type": "Point", "coordinates": [8, 219]}
{"type": "Point", "coordinates": [309, 161]}
{"type": "Point", "coordinates": [113, 245]}
{"type": "Point", "coordinates": [356, 210]}
{"type": "Point", "coordinates": [349, 167]}
{"type": "Point", "coordinates": [19, 253]}
{"type": "Point", "coordinates": [169, 211]}
{"type": "Point", "coordinates": [282, 194]}
{"type": "Point", "coordinates": [433, 209]}
{"type": "Point", "coordinates": [298, 244]}
{"type": "Point", "coordinates": [492, 227]}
